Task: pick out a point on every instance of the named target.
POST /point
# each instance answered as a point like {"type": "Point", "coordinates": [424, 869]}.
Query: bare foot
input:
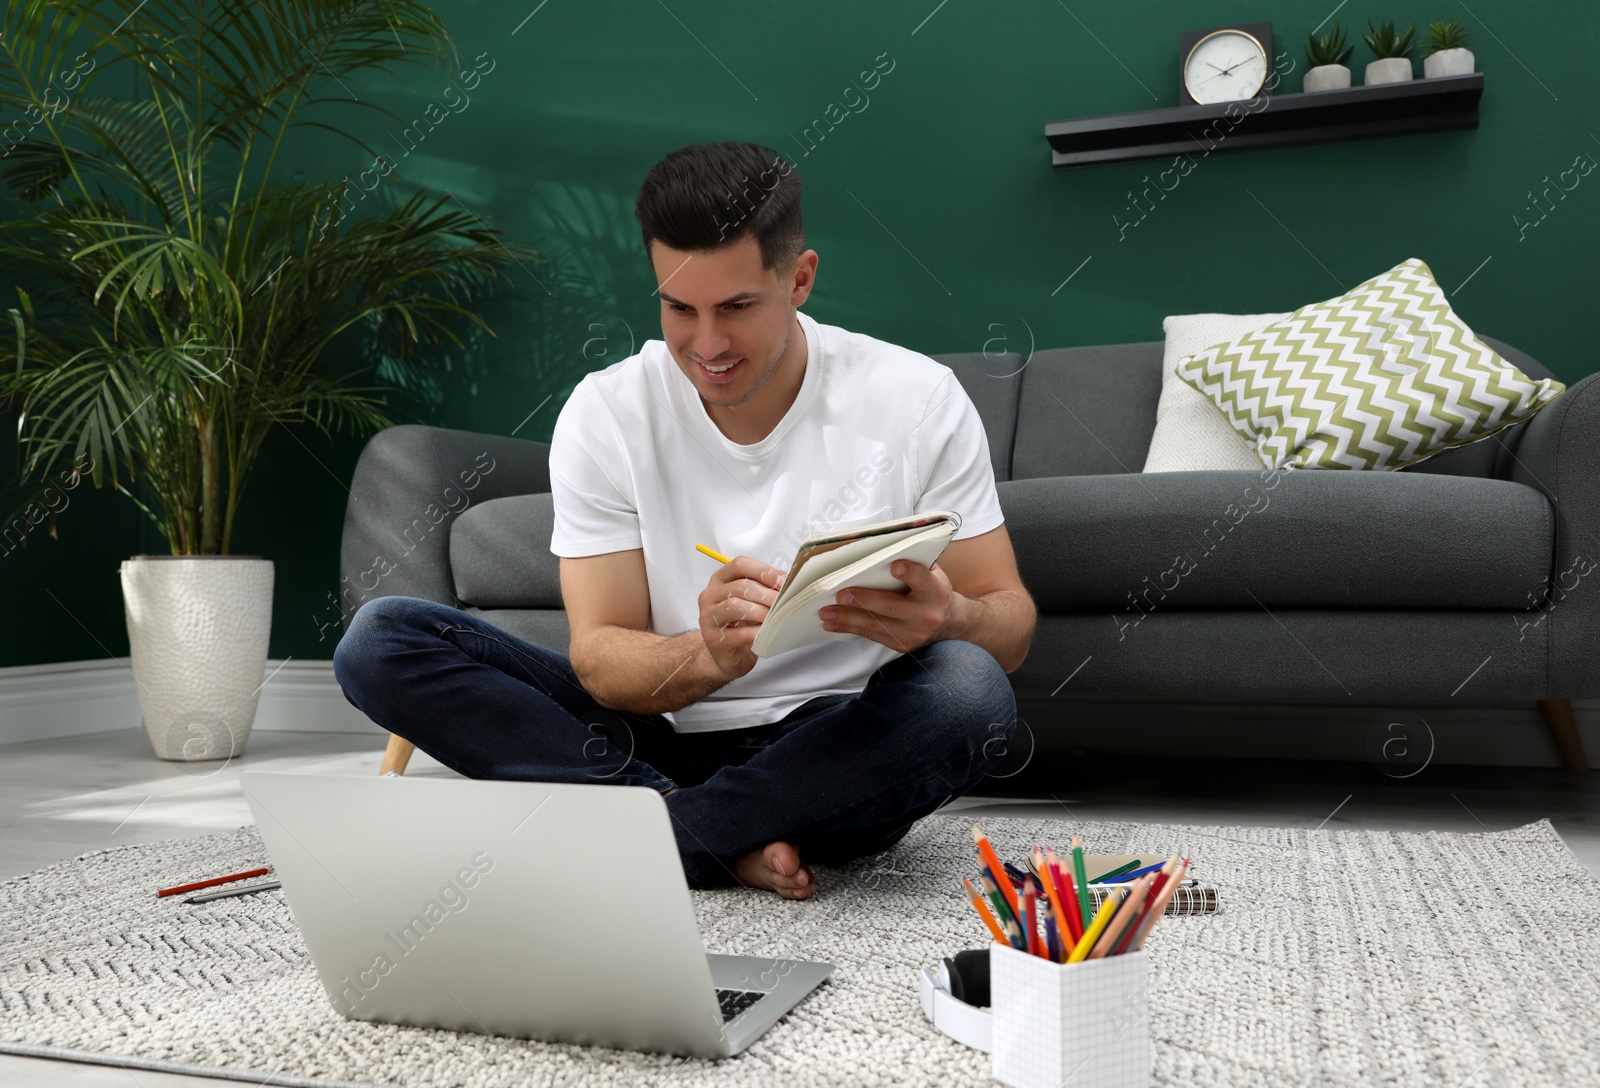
{"type": "Point", "coordinates": [776, 867]}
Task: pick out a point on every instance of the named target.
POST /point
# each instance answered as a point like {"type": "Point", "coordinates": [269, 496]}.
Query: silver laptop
{"type": "Point", "coordinates": [554, 912]}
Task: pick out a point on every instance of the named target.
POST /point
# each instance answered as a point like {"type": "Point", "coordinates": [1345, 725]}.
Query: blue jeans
{"type": "Point", "coordinates": [840, 777]}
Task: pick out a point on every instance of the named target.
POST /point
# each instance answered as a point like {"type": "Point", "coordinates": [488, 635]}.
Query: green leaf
{"type": "Point", "coordinates": [184, 289]}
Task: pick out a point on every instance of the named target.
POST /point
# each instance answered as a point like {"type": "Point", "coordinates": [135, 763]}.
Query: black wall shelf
{"type": "Point", "coordinates": [1282, 120]}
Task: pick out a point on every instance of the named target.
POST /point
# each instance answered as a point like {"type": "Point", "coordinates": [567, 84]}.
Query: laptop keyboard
{"type": "Point", "coordinates": [734, 1002]}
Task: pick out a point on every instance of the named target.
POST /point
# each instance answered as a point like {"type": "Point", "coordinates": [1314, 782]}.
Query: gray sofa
{"type": "Point", "coordinates": [1461, 581]}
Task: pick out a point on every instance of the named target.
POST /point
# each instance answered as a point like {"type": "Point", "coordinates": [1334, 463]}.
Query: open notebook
{"type": "Point", "coordinates": [829, 562]}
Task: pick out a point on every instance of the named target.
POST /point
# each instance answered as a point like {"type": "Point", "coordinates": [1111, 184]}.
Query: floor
{"type": "Point", "coordinates": [61, 798]}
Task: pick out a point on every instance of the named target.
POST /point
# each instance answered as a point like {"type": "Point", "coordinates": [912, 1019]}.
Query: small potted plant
{"type": "Point", "coordinates": [1447, 53]}
{"type": "Point", "coordinates": [1392, 50]}
{"type": "Point", "coordinates": [1326, 53]}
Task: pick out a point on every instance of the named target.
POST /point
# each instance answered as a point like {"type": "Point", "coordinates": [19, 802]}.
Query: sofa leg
{"type": "Point", "coordinates": [398, 754]}
{"type": "Point", "coordinates": [1558, 716]}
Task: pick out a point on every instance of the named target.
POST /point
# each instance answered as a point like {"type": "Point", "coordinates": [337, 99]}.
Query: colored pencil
{"type": "Point", "coordinates": [1162, 881]}
{"type": "Point", "coordinates": [1008, 921]}
{"type": "Point", "coordinates": [1069, 896]}
{"type": "Point", "coordinates": [1118, 911]}
{"type": "Point", "coordinates": [1080, 880]}
{"type": "Point", "coordinates": [1058, 910]}
{"type": "Point", "coordinates": [993, 895]}
{"type": "Point", "coordinates": [1041, 914]}
{"type": "Point", "coordinates": [181, 888]}
{"type": "Point", "coordinates": [1029, 907]}
{"type": "Point", "coordinates": [1096, 927]}
{"type": "Point", "coordinates": [999, 880]}
{"type": "Point", "coordinates": [1118, 871]}
{"type": "Point", "coordinates": [227, 893]}
{"type": "Point", "coordinates": [1052, 942]}
{"type": "Point", "coordinates": [986, 852]}
{"type": "Point", "coordinates": [1129, 910]}
{"type": "Point", "coordinates": [1014, 935]}
{"type": "Point", "coordinates": [1130, 877]}
{"type": "Point", "coordinates": [983, 912]}
{"type": "Point", "coordinates": [1159, 907]}
{"type": "Point", "coordinates": [1158, 880]}
{"type": "Point", "coordinates": [718, 556]}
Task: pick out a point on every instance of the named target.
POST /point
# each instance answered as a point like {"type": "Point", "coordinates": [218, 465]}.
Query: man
{"type": "Point", "coordinates": [747, 427]}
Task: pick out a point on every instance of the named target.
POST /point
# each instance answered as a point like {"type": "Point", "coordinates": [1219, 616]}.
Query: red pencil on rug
{"type": "Point", "coordinates": [181, 888]}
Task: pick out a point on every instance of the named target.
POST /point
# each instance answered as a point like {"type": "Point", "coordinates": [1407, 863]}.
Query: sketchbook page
{"type": "Point", "coordinates": [820, 586]}
{"type": "Point", "coordinates": [825, 553]}
{"type": "Point", "coordinates": [910, 521]}
{"type": "Point", "coordinates": [818, 562]}
{"type": "Point", "coordinates": [799, 625]}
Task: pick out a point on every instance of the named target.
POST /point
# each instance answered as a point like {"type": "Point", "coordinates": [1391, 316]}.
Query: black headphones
{"type": "Point", "coordinates": [969, 976]}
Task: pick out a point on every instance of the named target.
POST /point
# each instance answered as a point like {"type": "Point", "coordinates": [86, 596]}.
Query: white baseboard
{"type": "Point", "coordinates": [39, 702]}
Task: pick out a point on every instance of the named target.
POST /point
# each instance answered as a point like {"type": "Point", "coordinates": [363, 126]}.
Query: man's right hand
{"type": "Point", "coordinates": [732, 608]}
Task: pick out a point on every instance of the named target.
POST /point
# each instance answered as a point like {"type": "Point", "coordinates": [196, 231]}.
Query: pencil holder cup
{"type": "Point", "coordinates": [1084, 1024]}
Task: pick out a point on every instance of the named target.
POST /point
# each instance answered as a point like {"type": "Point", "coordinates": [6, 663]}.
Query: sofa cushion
{"type": "Point", "coordinates": [1355, 662]}
{"type": "Point", "coordinates": [1382, 376]}
{"type": "Point", "coordinates": [500, 554]}
{"type": "Point", "coordinates": [1491, 459]}
{"type": "Point", "coordinates": [992, 382]}
{"type": "Point", "coordinates": [1292, 539]}
{"type": "Point", "coordinates": [1190, 433]}
{"type": "Point", "coordinates": [1084, 411]}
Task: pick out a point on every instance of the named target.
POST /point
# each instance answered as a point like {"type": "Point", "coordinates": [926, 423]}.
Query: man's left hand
{"type": "Point", "coordinates": [900, 621]}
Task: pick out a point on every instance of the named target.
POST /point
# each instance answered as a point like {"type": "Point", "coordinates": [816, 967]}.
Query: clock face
{"type": "Point", "coordinates": [1225, 66]}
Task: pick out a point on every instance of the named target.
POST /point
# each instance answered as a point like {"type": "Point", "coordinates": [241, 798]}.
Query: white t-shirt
{"type": "Point", "coordinates": [876, 432]}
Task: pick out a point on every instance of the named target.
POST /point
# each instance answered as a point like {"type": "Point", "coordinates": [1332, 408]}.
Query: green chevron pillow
{"type": "Point", "coordinates": [1381, 377]}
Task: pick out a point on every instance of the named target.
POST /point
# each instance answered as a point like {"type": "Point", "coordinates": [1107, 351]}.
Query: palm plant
{"type": "Point", "coordinates": [1385, 42]}
{"type": "Point", "coordinates": [179, 299]}
{"type": "Point", "coordinates": [1329, 48]}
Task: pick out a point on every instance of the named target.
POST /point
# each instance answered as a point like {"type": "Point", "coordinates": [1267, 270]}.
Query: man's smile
{"type": "Point", "coordinates": [722, 372]}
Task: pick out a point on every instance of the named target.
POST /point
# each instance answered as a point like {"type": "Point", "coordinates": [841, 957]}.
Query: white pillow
{"type": "Point", "coordinates": [1191, 434]}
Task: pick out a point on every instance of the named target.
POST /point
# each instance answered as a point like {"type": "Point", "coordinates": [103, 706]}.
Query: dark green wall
{"type": "Point", "coordinates": [938, 219]}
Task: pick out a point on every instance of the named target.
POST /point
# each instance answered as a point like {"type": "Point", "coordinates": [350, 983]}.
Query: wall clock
{"type": "Point", "coordinates": [1224, 64]}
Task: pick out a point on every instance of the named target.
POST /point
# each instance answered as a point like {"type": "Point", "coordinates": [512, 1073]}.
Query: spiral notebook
{"type": "Point", "coordinates": [1187, 899]}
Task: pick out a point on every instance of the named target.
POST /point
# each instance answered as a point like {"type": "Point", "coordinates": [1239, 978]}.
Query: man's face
{"type": "Point", "coordinates": [721, 307]}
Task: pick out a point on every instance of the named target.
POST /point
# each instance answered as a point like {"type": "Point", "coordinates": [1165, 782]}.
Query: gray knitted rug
{"type": "Point", "coordinates": [1342, 958]}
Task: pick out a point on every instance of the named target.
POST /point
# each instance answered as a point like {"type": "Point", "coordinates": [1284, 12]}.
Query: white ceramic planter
{"type": "Point", "coordinates": [1389, 70]}
{"type": "Point", "coordinates": [1326, 77]}
{"type": "Point", "coordinates": [1448, 62]}
{"type": "Point", "coordinates": [197, 631]}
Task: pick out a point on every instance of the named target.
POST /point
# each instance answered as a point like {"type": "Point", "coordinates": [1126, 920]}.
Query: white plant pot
{"type": "Point", "coordinates": [1448, 62]}
{"type": "Point", "coordinates": [1389, 70]}
{"type": "Point", "coordinates": [1327, 77]}
{"type": "Point", "coordinates": [197, 631]}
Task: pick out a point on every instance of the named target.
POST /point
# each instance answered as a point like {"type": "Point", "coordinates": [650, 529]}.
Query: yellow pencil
{"type": "Point", "coordinates": [1092, 934]}
{"type": "Point", "coordinates": [718, 556]}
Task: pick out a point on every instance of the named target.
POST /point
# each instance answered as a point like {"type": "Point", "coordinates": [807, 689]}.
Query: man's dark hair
{"type": "Point", "coordinates": [706, 196]}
